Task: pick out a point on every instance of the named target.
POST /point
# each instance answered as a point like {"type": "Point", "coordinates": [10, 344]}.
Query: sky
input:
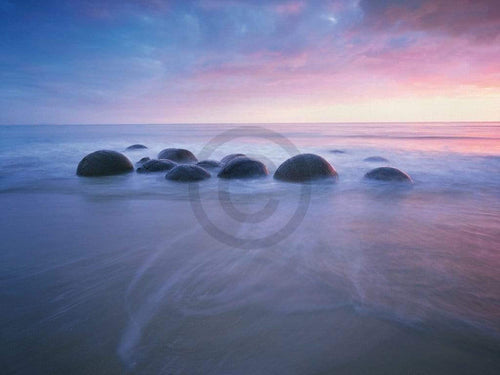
{"type": "Point", "coordinates": [248, 61]}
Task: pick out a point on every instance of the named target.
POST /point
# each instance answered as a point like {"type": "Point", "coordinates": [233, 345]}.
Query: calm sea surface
{"type": "Point", "coordinates": [134, 274]}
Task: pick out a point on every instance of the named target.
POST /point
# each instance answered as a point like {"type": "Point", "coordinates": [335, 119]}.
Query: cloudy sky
{"type": "Point", "coordinates": [160, 61]}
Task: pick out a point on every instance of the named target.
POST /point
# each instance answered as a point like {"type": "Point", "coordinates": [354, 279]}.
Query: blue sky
{"type": "Point", "coordinates": [158, 61]}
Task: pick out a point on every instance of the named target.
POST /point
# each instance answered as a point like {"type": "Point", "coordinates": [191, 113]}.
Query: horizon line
{"type": "Point", "coordinates": [254, 123]}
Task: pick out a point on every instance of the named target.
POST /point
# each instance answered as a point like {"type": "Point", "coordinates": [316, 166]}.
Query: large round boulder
{"type": "Point", "coordinates": [156, 166]}
{"type": "Point", "coordinates": [243, 167]}
{"type": "Point", "coordinates": [135, 147]}
{"type": "Point", "coordinates": [305, 167]}
{"type": "Point", "coordinates": [187, 173]}
{"type": "Point", "coordinates": [104, 163]}
{"type": "Point", "coordinates": [226, 159]}
{"type": "Point", "coordinates": [179, 155]}
{"type": "Point", "coordinates": [376, 159]}
{"type": "Point", "coordinates": [209, 164]}
{"type": "Point", "coordinates": [388, 174]}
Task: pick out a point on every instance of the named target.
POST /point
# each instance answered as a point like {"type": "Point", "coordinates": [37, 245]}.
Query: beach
{"type": "Point", "coordinates": [120, 274]}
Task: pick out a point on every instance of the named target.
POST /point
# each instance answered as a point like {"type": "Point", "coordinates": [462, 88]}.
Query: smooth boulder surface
{"type": "Point", "coordinates": [305, 167]}
{"type": "Point", "coordinates": [243, 167]}
{"type": "Point", "coordinates": [209, 164]}
{"type": "Point", "coordinates": [226, 159]}
{"type": "Point", "coordinates": [104, 163]}
{"type": "Point", "coordinates": [142, 161]}
{"type": "Point", "coordinates": [187, 173]}
{"type": "Point", "coordinates": [388, 174]}
{"type": "Point", "coordinates": [376, 159]}
{"type": "Point", "coordinates": [135, 147]}
{"type": "Point", "coordinates": [179, 155]}
{"type": "Point", "coordinates": [156, 166]}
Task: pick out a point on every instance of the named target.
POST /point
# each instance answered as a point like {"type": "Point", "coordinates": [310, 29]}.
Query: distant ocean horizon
{"type": "Point", "coordinates": [250, 123]}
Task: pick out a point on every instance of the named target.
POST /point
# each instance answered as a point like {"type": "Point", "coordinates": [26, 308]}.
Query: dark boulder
{"type": "Point", "coordinates": [104, 163]}
{"type": "Point", "coordinates": [142, 161]}
{"type": "Point", "coordinates": [187, 173]}
{"type": "Point", "coordinates": [208, 164]}
{"type": "Point", "coordinates": [228, 158]}
{"type": "Point", "coordinates": [135, 147]}
{"type": "Point", "coordinates": [179, 155]}
{"type": "Point", "coordinates": [388, 174]}
{"type": "Point", "coordinates": [156, 166]}
{"type": "Point", "coordinates": [305, 167]}
{"type": "Point", "coordinates": [337, 151]}
{"type": "Point", "coordinates": [243, 167]}
{"type": "Point", "coordinates": [376, 159]}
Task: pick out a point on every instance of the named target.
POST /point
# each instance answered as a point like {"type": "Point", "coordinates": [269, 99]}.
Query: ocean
{"type": "Point", "coordinates": [134, 274]}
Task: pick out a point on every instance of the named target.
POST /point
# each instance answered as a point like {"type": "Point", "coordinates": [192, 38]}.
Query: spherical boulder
{"type": "Point", "coordinates": [243, 167]}
{"type": "Point", "coordinates": [136, 147]}
{"type": "Point", "coordinates": [305, 167]}
{"type": "Point", "coordinates": [179, 155]}
{"type": "Point", "coordinates": [376, 159]}
{"type": "Point", "coordinates": [226, 159]}
{"type": "Point", "coordinates": [104, 163]}
{"type": "Point", "coordinates": [209, 164]}
{"type": "Point", "coordinates": [388, 174]}
{"type": "Point", "coordinates": [187, 173]}
{"type": "Point", "coordinates": [156, 166]}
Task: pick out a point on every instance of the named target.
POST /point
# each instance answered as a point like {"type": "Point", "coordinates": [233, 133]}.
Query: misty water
{"type": "Point", "coordinates": [136, 274]}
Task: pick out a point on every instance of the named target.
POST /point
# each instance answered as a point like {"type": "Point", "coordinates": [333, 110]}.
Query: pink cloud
{"type": "Point", "coordinates": [289, 8]}
{"type": "Point", "coordinates": [478, 19]}
{"type": "Point", "coordinates": [431, 64]}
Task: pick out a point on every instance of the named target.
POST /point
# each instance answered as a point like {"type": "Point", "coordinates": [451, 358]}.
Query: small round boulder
{"type": "Point", "coordinates": [142, 161]}
{"type": "Point", "coordinates": [104, 163]}
{"type": "Point", "coordinates": [187, 173]}
{"type": "Point", "coordinates": [226, 159]}
{"type": "Point", "coordinates": [208, 164]}
{"type": "Point", "coordinates": [376, 159]}
{"type": "Point", "coordinates": [135, 147]}
{"type": "Point", "coordinates": [243, 167]}
{"type": "Point", "coordinates": [388, 174]}
{"type": "Point", "coordinates": [305, 167]}
{"type": "Point", "coordinates": [156, 166]}
{"type": "Point", "coordinates": [179, 155]}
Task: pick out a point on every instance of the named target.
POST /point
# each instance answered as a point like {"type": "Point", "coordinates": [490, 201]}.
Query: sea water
{"type": "Point", "coordinates": [136, 274]}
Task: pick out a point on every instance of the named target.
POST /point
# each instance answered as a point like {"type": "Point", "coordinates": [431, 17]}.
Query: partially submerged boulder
{"type": "Point", "coordinates": [305, 167]}
{"type": "Point", "coordinates": [388, 174]}
{"type": "Point", "coordinates": [243, 167]}
{"type": "Point", "coordinates": [136, 147]}
{"type": "Point", "coordinates": [156, 166]}
{"type": "Point", "coordinates": [104, 163]}
{"type": "Point", "coordinates": [179, 155]}
{"type": "Point", "coordinates": [142, 161]}
{"type": "Point", "coordinates": [208, 164]}
{"type": "Point", "coordinates": [337, 151]}
{"type": "Point", "coordinates": [187, 173]}
{"type": "Point", "coordinates": [376, 159]}
{"type": "Point", "coordinates": [226, 159]}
